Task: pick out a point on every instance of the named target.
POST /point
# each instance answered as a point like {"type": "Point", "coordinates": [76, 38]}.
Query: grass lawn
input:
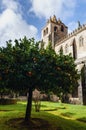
{"type": "Point", "coordinates": [52, 116]}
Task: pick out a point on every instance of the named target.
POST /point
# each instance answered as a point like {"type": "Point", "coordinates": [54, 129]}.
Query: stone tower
{"type": "Point", "coordinates": [53, 31]}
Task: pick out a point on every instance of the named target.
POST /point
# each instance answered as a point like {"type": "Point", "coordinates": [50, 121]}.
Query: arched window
{"type": "Point", "coordinates": [44, 33]}
{"type": "Point", "coordinates": [46, 30]}
{"type": "Point", "coordinates": [66, 48]}
{"type": "Point", "coordinates": [74, 49]}
{"type": "Point", "coordinates": [61, 50]}
{"type": "Point", "coordinates": [80, 41]}
{"type": "Point", "coordinates": [62, 28]}
{"type": "Point", "coordinates": [55, 29]}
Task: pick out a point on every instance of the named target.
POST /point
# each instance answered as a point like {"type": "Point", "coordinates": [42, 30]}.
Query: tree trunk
{"type": "Point", "coordinates": [29, 105]}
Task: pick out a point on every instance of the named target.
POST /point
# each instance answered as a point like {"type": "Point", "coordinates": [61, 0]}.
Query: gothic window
{"type": "Point", "coordinates": [55, 29]}
{"type": "Point", "coordinates": [74, 49]}
{"type": "Point", "coordinates": [62, 28]}
{"type": "Point", "coordinates": [61, 50]}
{"type": "Point", "coordinates": [81, 41]}
{"type": "Point", "coordinates": [66, 48]}
{"type": "Point", "coordinates": [44, 33]}
{"type": "Point", "coordinates": [46, 30]}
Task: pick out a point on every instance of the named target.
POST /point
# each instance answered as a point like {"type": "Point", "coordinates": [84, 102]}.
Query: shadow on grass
{"type": "Point", "coordinates": [83, 119]}
{"type": "Point", "coordinates": [44, 121]}
{"type": "Point", "coordinates": [68, 114]}
{"type": "Point", "coordinates": [5, 110]}
{"type": "Point", "coordinates": [61, 108]}
{"type": "Point", "coordinates": [54, 109]}
{"type": "Point", "coordinates": [42, 106]}
{"type": "Point", "coordinates": [50, 109]}
{"type": "Point", "coordinates": [33, 124]}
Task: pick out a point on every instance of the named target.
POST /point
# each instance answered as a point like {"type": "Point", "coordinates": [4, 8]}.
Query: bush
{"type": "Point", "coordinates": [54, 98]}
{"type": "Point", "coordinates": [7, 101]}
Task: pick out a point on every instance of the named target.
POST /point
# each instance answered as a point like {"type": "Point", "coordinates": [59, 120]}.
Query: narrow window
{"type": "Point", "coordinates": [66, 48]}
{"type": "Point", "coordinates": [61, 50]}
{"type": "Point", "coordinates": [46, 30]}
{"type": "Point", "coordinates": [81, 41]}
{"type": "Point", "coordinates": [62, 28]}
{"type": "Point", "coordinates": [74, 49]}
{"type": "Point", "coordinates": [55, 29]}
{"type": "Point", "coordinates": [44, 33]}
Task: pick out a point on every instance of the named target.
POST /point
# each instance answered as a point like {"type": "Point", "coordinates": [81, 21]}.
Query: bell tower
{"type": "Point", "coordinates": [53, 31]}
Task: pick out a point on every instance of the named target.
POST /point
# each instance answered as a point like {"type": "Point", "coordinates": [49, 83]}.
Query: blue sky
{"type": "Point", "coordinates": [19, 18]}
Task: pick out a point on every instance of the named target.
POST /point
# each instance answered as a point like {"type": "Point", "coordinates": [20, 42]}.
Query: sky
{"type": "Point", "coordinates": [19, 18]}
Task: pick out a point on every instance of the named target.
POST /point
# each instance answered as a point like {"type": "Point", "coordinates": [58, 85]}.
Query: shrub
{"type": "Point", "coordinates": [54, 98]}
{"type": "Point", "coordinates": [7, 101]}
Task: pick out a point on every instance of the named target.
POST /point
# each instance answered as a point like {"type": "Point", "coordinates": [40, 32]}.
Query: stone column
{"type": "Point", "coordinates": [80, 93]}
{"type": "Point", "coordinates": [84, 87]}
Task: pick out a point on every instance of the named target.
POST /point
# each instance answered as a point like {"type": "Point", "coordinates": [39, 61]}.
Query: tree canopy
{"type": "Point", "coordinates": [25, 66]}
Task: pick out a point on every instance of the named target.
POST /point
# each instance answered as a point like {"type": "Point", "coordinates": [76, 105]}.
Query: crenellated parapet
{"type": "Point", "coordinates": [73, 33]}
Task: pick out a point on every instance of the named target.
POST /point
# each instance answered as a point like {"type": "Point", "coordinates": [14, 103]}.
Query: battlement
{"type": "Point", "coordinates": [54, 20]}
{"type": "Point", "coordinates": [73, 33]}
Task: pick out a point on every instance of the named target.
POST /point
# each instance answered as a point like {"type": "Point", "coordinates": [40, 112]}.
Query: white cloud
{"type": "Point", "coordinates": [46, 8]}
{"type": "Point", "coordinates": [11, 5]}
{"type": "Point", "coordinates": [12, 25]}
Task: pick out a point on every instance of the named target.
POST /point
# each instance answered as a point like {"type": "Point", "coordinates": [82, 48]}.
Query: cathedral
{"type": "Point", "coordinates": [75, 43]}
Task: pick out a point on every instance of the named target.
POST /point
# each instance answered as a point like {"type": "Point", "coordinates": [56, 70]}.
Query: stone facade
{"type": "Point", "coordinates": [74, 43]}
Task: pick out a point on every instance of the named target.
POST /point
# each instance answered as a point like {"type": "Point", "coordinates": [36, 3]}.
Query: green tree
{"type": "Point", "coordinates": [5, 62]}
{"type": "Point", "coordinates": [30, 67]}
{"type": "Point", "coordinates": [67, 74]}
